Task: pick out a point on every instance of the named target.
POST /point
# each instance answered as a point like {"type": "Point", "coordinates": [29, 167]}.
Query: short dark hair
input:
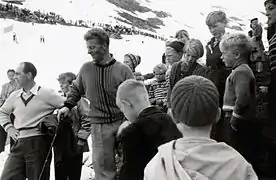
{"type": "Point", "coordinates": [254, 19]}
{"type": "Point", "coordinates": [97, 33]}
{"type": "Point", "coordinates": [29, 67]}
{"type": "Point", "coordinates": [270, 1]}
{"type": "Point", "coordinates": [11, 70]}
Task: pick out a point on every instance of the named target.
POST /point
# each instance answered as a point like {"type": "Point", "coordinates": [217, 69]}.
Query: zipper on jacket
{"type": "Point", "coordinates": [105, 96]}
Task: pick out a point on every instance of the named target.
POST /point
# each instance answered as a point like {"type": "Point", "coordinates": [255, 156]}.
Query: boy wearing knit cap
{"type": "Point", "coordinates": [174, 51]}
{"type": "Point", "coordinates": [239, 102]}
{"type": "Point", "coordinates": [159, 87]}
{"type": "Point", "coordinates": [132, 61]}
{"type": "Point", "coordinates": [148, 129]}
{"type": "Point", "coordinates": [195, 108]}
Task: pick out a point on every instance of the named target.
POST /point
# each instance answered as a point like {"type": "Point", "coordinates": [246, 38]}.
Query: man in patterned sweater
{"type": "Point", "coordinates": [98, 81]}
{"type": "Point", "coordinates": [239, 102]}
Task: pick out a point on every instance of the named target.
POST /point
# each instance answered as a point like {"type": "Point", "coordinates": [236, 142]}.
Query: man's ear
{"type": "Point", "coordinates": [127, 104]}
{"type": "Point", "coordinates": [237, 54]}
{"type": "Point", "coordinates": [218, 115]}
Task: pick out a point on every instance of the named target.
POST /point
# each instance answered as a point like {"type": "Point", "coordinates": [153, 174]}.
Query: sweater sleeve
{"type": "Point", "coordinates": [5, 112]}
{"type": "Point", "coordinates": [76, 91]}
{"type": "Point", "coordinates": [272, 54]}
{"type": "Point", "coordinates": [55, 99]}
{"type": "Point", "coordinates": [85, 123]}
{"type": "Point", "coordinates": [242, 84]}
{"type": "Point", "coordinates": [170, 83]}
{"type": "Point", "coordinates": [3, 95]}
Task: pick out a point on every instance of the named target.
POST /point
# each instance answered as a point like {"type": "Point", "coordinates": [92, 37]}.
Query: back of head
{"type": "Point", "coordinates": [270, 1]}
{"type": "Point", "coordinates": [97, 33]}
{"type": "Point", "coordinates": [132, 91]}
{"type": "Point", "coordinates": [29, 68]}
{"type": "Point", "coordinates": [195, 102]}
{"type": "Point", "coordinates": [238, 42]}
{"type": "Point", "coordinates": [195, 47]}
{"type": "Point", "coordinates": [215, 17]}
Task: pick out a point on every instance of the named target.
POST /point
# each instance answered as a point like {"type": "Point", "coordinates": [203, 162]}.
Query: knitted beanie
{"type": "Point", "coordinates": [195, 101]}
{"type": "Point", "coordinates": [176, 45]}
{"type": "Point", "coordinates": [135, 59]}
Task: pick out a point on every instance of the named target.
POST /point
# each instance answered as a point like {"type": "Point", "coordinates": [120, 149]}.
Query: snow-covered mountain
{"type": "Point", "coordinates": [65, 50]}
{"type": "Point", "coordinates": [162, 16]}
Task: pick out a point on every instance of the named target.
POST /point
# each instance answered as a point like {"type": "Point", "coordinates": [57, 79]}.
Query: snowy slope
{"type": "Point", "coordinates": [65, 50]}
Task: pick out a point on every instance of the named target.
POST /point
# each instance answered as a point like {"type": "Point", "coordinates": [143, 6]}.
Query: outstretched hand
{"type": "Point", "coordinates": [63, 112]}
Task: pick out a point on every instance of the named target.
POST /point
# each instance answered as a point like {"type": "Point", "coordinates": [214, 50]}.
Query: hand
{"type": "Point", "coordinates": [80, 145]}
{"type": "Point", "coordinates": [62, 112]}
{"type": "Point", "coordinates": [263, 89]}
{"type": "Point", "coordinates": [159, 102]}
{"type": "Point", "coordinates": [13, 133]}
{"type": "Point", "coordinates": [169, 112]}
{"type": "Point", "coordinates": [123, 126]}
{"type": "Point", "coordinates": [228, 114]}
{"type": "Point", "coordinates": [81, 142]}
{"type": "Point", "coordinates": [233, 127]}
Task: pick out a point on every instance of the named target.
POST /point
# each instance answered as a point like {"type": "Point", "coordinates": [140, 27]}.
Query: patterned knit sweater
{"type": "Point", "coordinates": [99, 84]}
{"type": "Point", "coordinates": [158, 91]}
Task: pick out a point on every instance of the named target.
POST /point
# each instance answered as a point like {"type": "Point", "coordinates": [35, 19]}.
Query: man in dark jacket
{"type": "Point", "coordinates": [146, 129]}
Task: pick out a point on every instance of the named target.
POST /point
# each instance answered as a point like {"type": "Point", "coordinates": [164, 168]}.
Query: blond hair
{"type": "Point", "coordinates": [238, 42]}
{"type": "Point", "coordinates": [194, 46]}
{"type": "Point", "coordinates": [215, 17]}
{"type": "Point", "coordinates": [132, 90]}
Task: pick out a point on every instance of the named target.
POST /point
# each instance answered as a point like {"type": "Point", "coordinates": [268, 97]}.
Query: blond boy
{"type": "Point", "coordinates": [239, 102]}
{"type": "Point", "coordinates": [148, 129]}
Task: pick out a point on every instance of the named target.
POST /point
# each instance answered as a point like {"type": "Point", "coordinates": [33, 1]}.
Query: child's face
{"type": "Point", "coordinates": [128, 62]}
{"type": "Point", "coordinates": [64, 86]}
{"type": "Point", "coordinates": [254, 23]}
{"type": "Point", "coordinates": [217, 29]}
{"type": "Point", "coordinates": [171, 56]}
{"type": "Point", "coordinates": [190, 57]}
{"type": "Point", "coordinates": [160, 76]}
{"type": "Point", "coordinates": [271, 13]}
{"type": "Point", "coordinates": [228, 57]}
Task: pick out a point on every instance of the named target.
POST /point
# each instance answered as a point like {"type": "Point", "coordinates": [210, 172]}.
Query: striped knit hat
{"type": "Point", "coordinates": [135, 59]}
{"type": "Point", "coordinates": [195, 101]}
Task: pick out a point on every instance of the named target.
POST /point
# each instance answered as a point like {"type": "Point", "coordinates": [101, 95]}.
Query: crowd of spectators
{"type": "Point", "coordinates": [10, 11]}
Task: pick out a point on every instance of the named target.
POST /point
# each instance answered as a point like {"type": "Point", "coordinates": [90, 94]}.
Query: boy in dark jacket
{"type": "Point", "coordinates": [69, 165]}
{"type": "Point", "coordinates": [147, 129]}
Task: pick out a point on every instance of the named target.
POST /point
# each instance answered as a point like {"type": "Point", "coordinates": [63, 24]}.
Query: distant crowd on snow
{"type": "Point", "coordinates": [9, 11]}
